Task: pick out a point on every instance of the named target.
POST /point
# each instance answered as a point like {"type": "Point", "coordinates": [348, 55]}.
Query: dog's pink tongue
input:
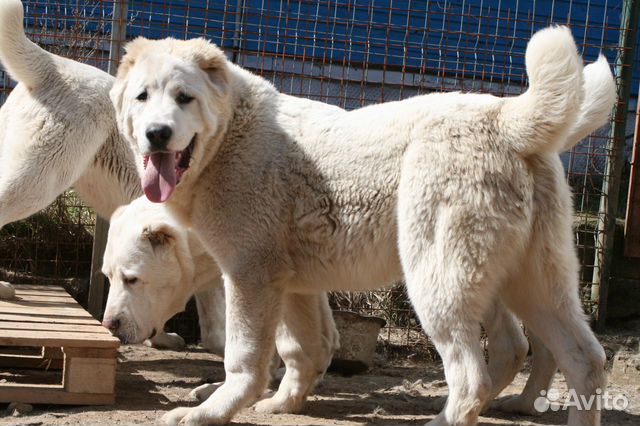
{"type": "Point", "coordinates": [159, 179]}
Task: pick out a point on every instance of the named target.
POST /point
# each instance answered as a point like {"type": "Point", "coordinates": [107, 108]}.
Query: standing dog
{"type": "Point", "coordinates": [150, 261]}
{"type": "Point", "coordinates": [461, 195]}
{"type": "Point", "coordinates": [45, 143]}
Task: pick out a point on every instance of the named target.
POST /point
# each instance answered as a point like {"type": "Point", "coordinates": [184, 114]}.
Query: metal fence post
{"type": "Point", "coordinates": [611, 183]}
{"type": "Point", "coordinates": [97, 281]}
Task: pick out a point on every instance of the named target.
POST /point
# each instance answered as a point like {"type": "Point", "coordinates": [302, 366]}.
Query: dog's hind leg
{"type": "Point", "coordinates": [543, 368]}
{"type": "Point", "coordinates": [552, 310]}
{"type": "Point", "coordinates": [507, 347]}
{"type": "Point", "coordinates": [306, 340]}
{"type": "Point", "coordinates": [210, 304]}
{"type": "Point", "coordinates": [451, 284]}
{"type": "Point", "coordinates": [559, 322]}
{"type": "Point", "coordinates": [545, 294]}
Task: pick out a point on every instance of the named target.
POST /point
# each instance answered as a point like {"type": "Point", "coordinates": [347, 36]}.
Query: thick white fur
{"type": "Point", "coordinates": [50, 145]}
{"type": "Point", "coordinates": [463, 196]}
{"type": "Point", "coordinates": [57, 130]}
{"type": "Point", "coordinates": [46, 146]}
{"type": "Point", "coordinates": [600, 96]}
{"type": "Point", "coordinates": [147, 244]}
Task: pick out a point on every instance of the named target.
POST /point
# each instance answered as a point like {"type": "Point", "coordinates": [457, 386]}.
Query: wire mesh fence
{"type": "Point", "coordinates": [353, 53]}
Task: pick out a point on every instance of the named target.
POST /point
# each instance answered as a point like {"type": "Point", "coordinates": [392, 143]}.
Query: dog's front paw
{"type": "Point", "coordinates": [164, 340]}
{"type": "Point", "coordinates": [196, 416]}
{"type": "Point", "coordinates": [439, 420]}
{"type": "Point", "coordinates": [279, 405]}
{"type": "Point", "coordinates": [202, 392]}
{"type": "Point", "coordinates": [175, 416]}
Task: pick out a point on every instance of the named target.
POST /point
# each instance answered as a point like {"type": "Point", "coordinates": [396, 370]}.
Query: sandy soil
{"type": "Point", "coordinates": [151, 382]}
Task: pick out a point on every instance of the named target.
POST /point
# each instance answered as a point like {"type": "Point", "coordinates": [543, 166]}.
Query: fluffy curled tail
{"type": "Point", "coordinates": [23, 59]}
{"type": "Point", "coordinates": [540, 119]}
{"type": "Point", "coordinates": [599, 88]}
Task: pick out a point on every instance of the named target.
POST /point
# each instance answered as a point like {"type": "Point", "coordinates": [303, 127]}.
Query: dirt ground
{"type": "Point", "coordinates": [150, 382]}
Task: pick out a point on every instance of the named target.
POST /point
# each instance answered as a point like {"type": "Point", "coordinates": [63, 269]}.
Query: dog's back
{"type": "Point", "coordinates": [52, 125]}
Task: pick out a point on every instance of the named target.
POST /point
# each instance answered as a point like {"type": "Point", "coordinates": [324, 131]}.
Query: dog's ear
{"type": "Point", "coordinates": [212, 60]}
{"type": "Point", "coordinates": [159, 235]}
{"type": "Point", "coordinates": [133, 50]}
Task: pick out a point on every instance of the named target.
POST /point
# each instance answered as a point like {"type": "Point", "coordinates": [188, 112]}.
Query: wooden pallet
{"type": "Point", "coordinates": [67, 337]}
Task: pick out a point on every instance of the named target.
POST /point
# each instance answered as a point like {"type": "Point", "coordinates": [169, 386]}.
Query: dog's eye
{"type": "Point", "coordinates": [184, 99]}
{"type": "Point", "coordinates": [129, 280]}
{"type": "Point", "coordinates": [142, 96]}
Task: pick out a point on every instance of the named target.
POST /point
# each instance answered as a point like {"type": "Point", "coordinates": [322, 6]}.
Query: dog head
{"type": "Point", "coordinates": [171, 99]}
{"type": "Point", "coordinates": [150, 270]}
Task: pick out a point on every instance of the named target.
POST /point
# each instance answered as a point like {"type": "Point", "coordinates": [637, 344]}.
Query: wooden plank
{"type": "Point", "coordinates": [90, 352]}
{"type": "Point", "coordinates": [51, 338]}
{"type": "Point", "coordinates": [40, 289]}
{"type": "Point", "coordinates": [37, 293]}
{"type": "Point", "coordinates": [51, 319]}
{"type": "Point", "coordinates": [43, 310]}
{"type": "Point", "coordinates": [58, 319]}
{"type": "Point", "coordinates": [20, 287]}
{"type": "Point", "coordinates": [38, 304]}
{"type": "Point", "coordinates": [90, 375]}
{"type": "Point", "coordinates": [47, 326]}
{"type": "Point", "coordinates": [51, 394]}
{"type": "Point", "coordinates": [53, 298]}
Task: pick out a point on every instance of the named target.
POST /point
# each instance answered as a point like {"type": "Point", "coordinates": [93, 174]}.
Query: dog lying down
{"type": "Point", "coordinates": [463, 196]}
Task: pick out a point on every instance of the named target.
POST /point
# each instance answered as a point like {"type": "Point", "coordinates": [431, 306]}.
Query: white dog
{"type": "Point", "coordinates": [461, 195]}
{"type": "Point", "coordinates": [57, 130]}
{"type": "Point", "coordinates": [46, 144]}
{"type": "Point", "coordinates": [150, 261]}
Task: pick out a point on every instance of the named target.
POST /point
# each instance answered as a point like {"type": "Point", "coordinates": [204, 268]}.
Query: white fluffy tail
{"type": "Point", "coordinates": [600, 96]}
{"type": "Point", "coordinates": [23, 59]}
{"type": "Point", "coordinates": [540, 119]}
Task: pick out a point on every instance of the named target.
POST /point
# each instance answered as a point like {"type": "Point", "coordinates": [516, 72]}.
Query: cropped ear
{"type": "Point", "coordinates": [133, 50]}
{"type": "Point", "coordinates": [159, 235]}
{"type": "Point", "coordinates": [212, 60]}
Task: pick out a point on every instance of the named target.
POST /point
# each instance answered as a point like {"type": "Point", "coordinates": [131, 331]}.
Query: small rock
{"type": "Point", "coordinates": [17, 409]}
{"type": "Point", "coordinates": [7, 292]}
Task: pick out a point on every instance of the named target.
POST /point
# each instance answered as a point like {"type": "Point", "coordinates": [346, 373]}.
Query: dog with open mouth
{"type": "Point", "coordinates": [90, 155]}
{"type": "Point", "coordinates": [461, 195]}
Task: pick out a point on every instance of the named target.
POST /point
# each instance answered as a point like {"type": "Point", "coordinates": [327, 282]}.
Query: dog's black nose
{"type": "Point", "coordinates": [159, 136]}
